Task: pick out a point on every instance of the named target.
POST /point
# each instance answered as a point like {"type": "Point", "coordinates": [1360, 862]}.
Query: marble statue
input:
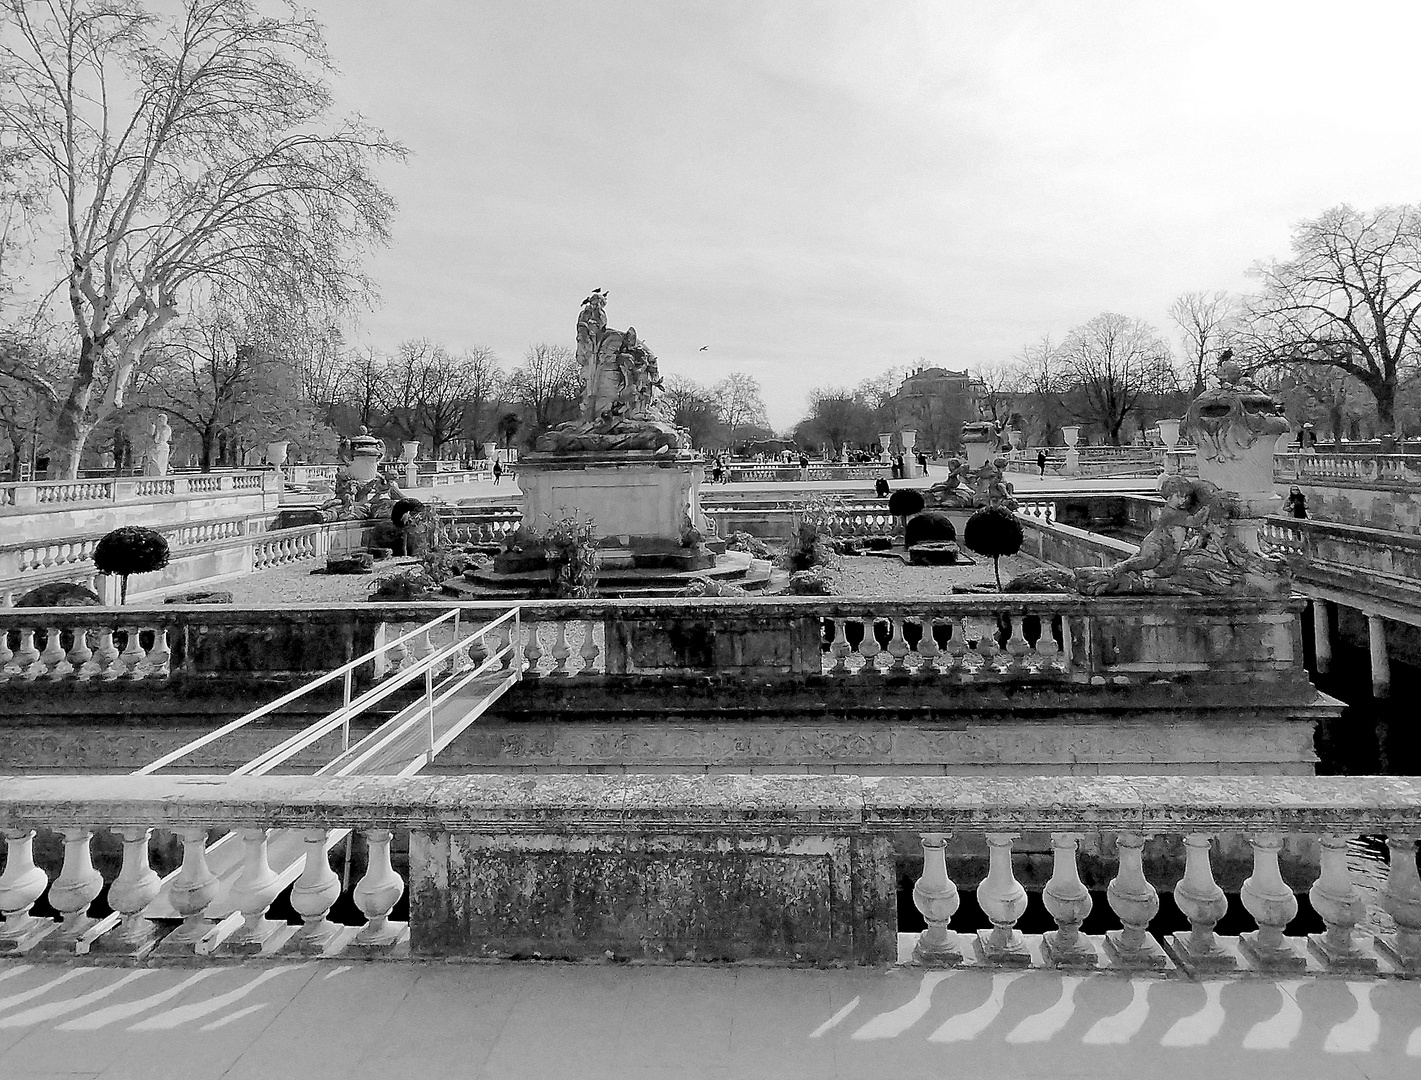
{"type": "Point", "coordinates": [1206, 539]}
{"type": "Point", "coordinates": [618, 403]}
{"type": "Point", "coordinates": [966, 487]}
{"type": "Point", "coordinates": [158, 450]}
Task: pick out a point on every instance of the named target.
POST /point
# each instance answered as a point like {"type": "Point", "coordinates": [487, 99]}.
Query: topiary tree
{"type": "Point", "coordinates": [905, 502]}
{"type": "Point", "coordinates": [994, 531]}
{"type": "Point", "coordinates": [130, 550]}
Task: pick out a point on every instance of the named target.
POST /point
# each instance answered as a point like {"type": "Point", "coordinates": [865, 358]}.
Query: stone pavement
{"type": "Point", "coordinates": [269, 1021]}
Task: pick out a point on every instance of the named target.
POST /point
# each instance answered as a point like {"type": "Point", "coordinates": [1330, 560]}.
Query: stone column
{"type": "Point", "coordinates": [1321, 635]}
{"type": "Point", "coordinates": [1381, 666]}
{"type": "Point", "coordinates": [1071, 433]}
{"type": "Point", "coordinates": [909, 438]}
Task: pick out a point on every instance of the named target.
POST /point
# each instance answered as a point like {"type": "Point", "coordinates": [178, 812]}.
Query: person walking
{"type": "Point", "coordinates": [1297, 504]}
{"type": "Point", "coordinates": [497, 470]}
{"type": "Point", "coordinates": [1041, 461]}
{"type": "Point", "coordinates": [880, 488]}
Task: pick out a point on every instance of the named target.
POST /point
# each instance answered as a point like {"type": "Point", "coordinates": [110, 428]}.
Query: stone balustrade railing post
{"type": "Point", "coordinates": [1401, 899]}
{"type": "Point", "coordinates": [935, 897]}
{"type": "Point", "coordinates": [1273, 906]}
{"type": "Point", "coordinates": [1135, 902]}
{"type": "Point", "coordinates": [314, 894]}
{"type": "Point", "coordinates": [1336, 899]}
{"type": "Point", "coordinates": [190, 892]}
{"type": "Point", "coordinates": [136, 886]}
{"type": "Point", "coordinates": [21, 885]}
{"type": "Point", "coordinates": [77, 886]}
{"type": "Point", "coordinates": [377, 893]}
{"type": "Point", "coordinates": [253, 892]}
{"type": "Point", "coordinates": [1003, 900]}
{"type": "Point", "coordinates": [1198, 895]}
{"type": "Point", "coordinates": [1068, 902]}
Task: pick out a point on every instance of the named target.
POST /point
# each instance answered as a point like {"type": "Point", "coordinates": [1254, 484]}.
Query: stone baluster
{"type": "Point", "coordinates": [1069, 902]}
{"type": "Point", "coordinates": [897, 648]}
{"type": "Point", "coordinates": [136, 886]}
{"type": "Point", "coordinates": [53, 656]}
{"type": "Point", "coordinates": [987, 648]}
{"type": "Point", "coordinates": [27, 656]}
{"type": "Point", "coordinates": [1338, 903]}
{"type": "Point", "coordinates": [935, 897]}
{"type": "Point", "coordinates": [1135, 902]}
{"type": "Point", "coordinates": [1204, 904]}
{"type": "Point", "coordinates": [253, 892]}
{"type": "Point", "coordinates": [106, 655]}
{"type": "Point", "coordinates": [1017, 646]}
{"type": "Point", "coordinates": [421, 646]}
{"type": "Point", "coordinates": [71, 893]}
{"type": "Point", "coordinates": [590, 649]}
{"type": "Point", "coordinates": [839, 649]}
{"type": "Point", "coordinates": [377, 893]}
{"type": "Point", "coordinates": [132, 656]}
{"type": "Point", "coordinates": [560, 652]}
{"type": "Point", "coordinates": [396, 653]}
{"type": "Point", "coordinates": [927, 647]}
{"type": "Point", "coordinates": [1046, 648]}
{"type": "Point", "coordinates": [191, 891]}
{"type": "Point", "coordinates": [1401, 899]}
{"type": "Point", "coordinates": [80, 655]}
{"type": "Point", "coordinates": [313, 896]}
{"type": "Point", "coordinates": [1003, 901]}
{"type": "Point", "coordinates": [1273, 906]}
{"type": "Point", "coordinates": [21, 885]}
{"type": "Point", "coordinates": [533, 650]}
{"type": "Point", "coordinates": [957, 647]}
{"type": "Point", "coordinates": [503, 639]}
{"type": "Point", "coordinates": [160, 654]}
{"type": "Point", "coordinates": [6, 653]}
{"type": "Point", "coordinates": [869, 647]}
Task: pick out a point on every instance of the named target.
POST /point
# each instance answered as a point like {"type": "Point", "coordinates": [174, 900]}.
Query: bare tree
{"type": "Point", "coordinates": [1111, 363]}
{"type": "Point", "coordinates": [181, 154]}
{"type": "Point", "coordinates": [1349, 298]}
{"type": "Point", "coordinates": [426, 391]}
{"type": "Point", "coordinates": [360, 386]}
{"type": "Point", "coordinates": [691, 406]}
{"type": "Point", "coordinates": [221, 376]}
{"type": "Point", "coordinates": [483, 382]}
{"type": "Point", "coordinates": [836, 416]}
{"type": "Point", "coordinates": [548, 385]}
{"type": "Point", "coordinates": [1207, 324]}
{"type": "Point", "coordinates": [738, 400]}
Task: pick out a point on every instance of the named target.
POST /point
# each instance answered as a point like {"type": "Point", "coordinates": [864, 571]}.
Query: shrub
{"type": "Point", "coordinates": [573, 557]}
{"type": "Point", "coordinates": [994, 531]}
{"type": "Point", "coordinates": [929, 527]}
{"type": "Point", "coordinates": [130, 550]}
{"type": "Point", "coordinates": [905, 502]}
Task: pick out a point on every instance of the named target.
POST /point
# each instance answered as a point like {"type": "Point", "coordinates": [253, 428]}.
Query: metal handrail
{"type": "Point", "coordinates": [275, 756]}
{"type": "Point", "coordinates": [346, 670]}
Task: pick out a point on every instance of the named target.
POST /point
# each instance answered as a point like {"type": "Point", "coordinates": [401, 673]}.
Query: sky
{"type": "Point", "coordinates": [819, 191]}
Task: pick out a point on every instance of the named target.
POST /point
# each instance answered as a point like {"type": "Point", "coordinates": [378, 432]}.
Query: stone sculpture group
{"type": "Point", "coordinates": [618, 405]}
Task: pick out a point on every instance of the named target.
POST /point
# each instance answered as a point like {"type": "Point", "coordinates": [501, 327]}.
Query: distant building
{"type": "Point", "coordinates": [937, 402]}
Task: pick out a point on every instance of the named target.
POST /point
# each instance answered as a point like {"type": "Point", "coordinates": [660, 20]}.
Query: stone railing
{"type": "Point", "coordinates": [677, 868]}
{"type": "Point", "coordinates": [971, 639]}
{"type": "Point", "coordinates": [1362, 470]}
{"type": "Point", "coordinates": [1347, 548]}
{"type": "Point", "coordinates": [37, 496]}
{"type": "Point", "coordinates": [201, 552]}
{"type": "Point", "coordinates": [743, 471]}
{"type": "Point", "coordinates": [482, 470]}
{"type": "Point", "coordinates": [480, 524]}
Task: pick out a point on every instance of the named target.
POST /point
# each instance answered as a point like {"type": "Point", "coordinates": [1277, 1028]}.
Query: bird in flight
{"type": "Point", "coordinates": [703, 348]}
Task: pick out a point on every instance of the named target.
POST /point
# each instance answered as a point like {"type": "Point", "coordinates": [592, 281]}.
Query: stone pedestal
{"type": "Point", "coordinates": [365, 454]}
{"type": "Point", "coordinates": [910, 457]}
{"type": "Point", "coordinates": [979, 444]}
{"type": "Point", "coordinates": [638, 499]}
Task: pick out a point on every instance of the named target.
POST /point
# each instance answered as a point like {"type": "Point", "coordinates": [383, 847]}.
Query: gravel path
{"type": "Point", "coordinates": [870, 575]}
{"type": "Point", "coordinates": [295, 584]}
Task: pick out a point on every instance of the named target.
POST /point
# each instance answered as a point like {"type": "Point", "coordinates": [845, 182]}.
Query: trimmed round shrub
{"type": "Point", "coordinates": [929, 527]}
{"type": "Point", "coordinates": [130, 550]}
{"type": "Point", "coordinates": [994, 531]}
{"type": "Point", "coordinates": [905, 502]}
{"type": "Point", "coordinates": [60, 594]}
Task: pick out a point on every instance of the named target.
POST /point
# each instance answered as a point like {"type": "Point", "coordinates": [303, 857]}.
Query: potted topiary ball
{"type": "Point", "coordinates": [130, 550]}
{"type": "Point", "coordinates": [994, 531]}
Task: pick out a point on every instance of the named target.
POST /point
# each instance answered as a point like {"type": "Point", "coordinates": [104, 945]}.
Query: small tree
{"type": "Point", "coordinates": [994, 531]}
{"type": "Point", "coordinates": [575, 557]}
{"type": "Point", "coordinates": [130, 550]}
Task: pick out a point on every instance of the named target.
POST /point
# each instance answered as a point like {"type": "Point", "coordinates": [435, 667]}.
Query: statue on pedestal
{"type": "Point", "coordinates": [617, 405]}
{"type": "Point", "coordinates": [158, 450]}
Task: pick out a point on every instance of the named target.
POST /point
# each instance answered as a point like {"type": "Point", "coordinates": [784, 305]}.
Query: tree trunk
{"type": "Point", "coordinates": [205, 465]}
{"type": "Point", "coordinates": [1385, 393]}
{"type": "Point", "coordinates": [74, 426]}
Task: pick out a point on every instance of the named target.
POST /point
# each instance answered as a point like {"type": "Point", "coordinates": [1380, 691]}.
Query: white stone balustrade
{"type": "Point", "coordinates": [965, 642]}
{"type": "Point", "coordinates": [1349, 470]}
{"type": "Point", "coordinates": [732, 814]}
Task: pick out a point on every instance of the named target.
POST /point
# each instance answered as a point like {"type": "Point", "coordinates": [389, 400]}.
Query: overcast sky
{"type": "Point", "coordinates": [820, 191]}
